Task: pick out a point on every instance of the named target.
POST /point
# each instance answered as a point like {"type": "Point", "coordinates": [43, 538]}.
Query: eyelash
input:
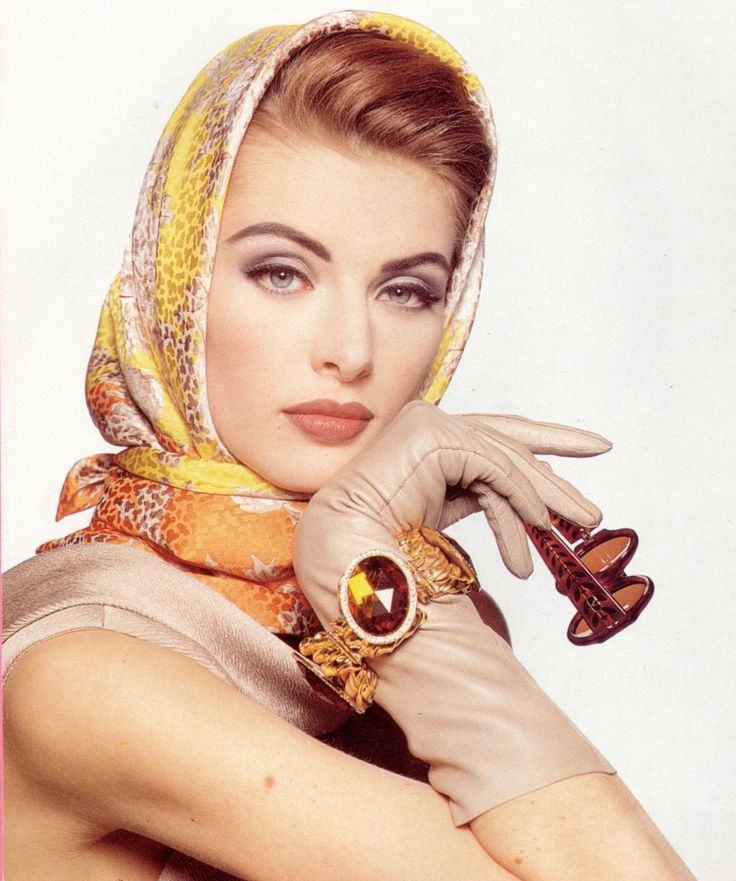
{"type": "Point", "coordinates": [256, 272]}
{"type": "Point", "coordinates": [427, 297]}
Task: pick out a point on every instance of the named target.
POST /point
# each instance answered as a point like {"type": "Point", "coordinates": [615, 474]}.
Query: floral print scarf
{"type": "Point", "coordinates": [174, 489]}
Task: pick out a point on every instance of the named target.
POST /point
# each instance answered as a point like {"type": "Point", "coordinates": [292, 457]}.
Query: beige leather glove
{"type": "Point", "coordinates": [464, 703]}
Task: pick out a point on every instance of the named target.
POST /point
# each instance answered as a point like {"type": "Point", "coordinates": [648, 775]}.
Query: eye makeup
{"type": "Point", "coordinates": [278, 274]}
{"type": "Point", "coordinates": [409, 289]}
{"type": "Point", "coordinates": [280, 278]}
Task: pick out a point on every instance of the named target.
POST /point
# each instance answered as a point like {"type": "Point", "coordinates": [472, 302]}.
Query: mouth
{"type": "Point", "coordinates": [329, 421]}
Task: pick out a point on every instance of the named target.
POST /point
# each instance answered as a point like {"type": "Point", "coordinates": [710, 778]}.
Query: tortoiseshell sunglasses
{"type": "Point", "coordinates": [591, 574]}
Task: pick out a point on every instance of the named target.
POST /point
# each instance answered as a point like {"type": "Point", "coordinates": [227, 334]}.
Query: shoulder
{"type": "Point", "coordinates": [90, 566]}
{"type": "Point", "coordinates": [83, 573]}
{"type": "Point", "coordinates": [115, 587]}
{"type": "Point", "coordinates": [111, 722]}
{"type": "Point", "coordinates": [128, 590]}
{"type": "Point", "coordinates": [79, 697]}
{"type": "Point", "coordinates": [115, 676]}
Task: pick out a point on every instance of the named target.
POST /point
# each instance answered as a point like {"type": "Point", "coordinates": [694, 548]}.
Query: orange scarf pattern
{"type": "Point", "coordinates": [175, 489]}
{"type": "Point", "coordinates": [198, 532]}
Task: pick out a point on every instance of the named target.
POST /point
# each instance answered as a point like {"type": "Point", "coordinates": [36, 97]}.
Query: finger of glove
{"type": "Point", "coordinates": [508, 530]}
{"type": "Point", "coordinates": [546, 438]}
{"type": "Point", "coordinates": [489, 465]}
{"type": "Point", "coordinates": [596, 512]}
{"type": "Point", "coordinates": [457, 509]}
{"type": "Point", "coordinates": [557, 493]}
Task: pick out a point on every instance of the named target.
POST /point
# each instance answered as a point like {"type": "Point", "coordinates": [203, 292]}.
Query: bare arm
{"type": "Point", "coordinates": [130, 735]}
{"type": "Point", "coordinates": [578, 829]}
{"type": "Point", "coordinates": [126, 734]}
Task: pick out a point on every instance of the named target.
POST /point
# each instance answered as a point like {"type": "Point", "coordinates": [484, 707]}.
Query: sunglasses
{"type": "Point", "coordinates": [591, 574]}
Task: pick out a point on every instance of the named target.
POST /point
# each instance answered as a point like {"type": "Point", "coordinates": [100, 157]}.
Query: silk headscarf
{"type": "Point", "coordinates": [175, 489]}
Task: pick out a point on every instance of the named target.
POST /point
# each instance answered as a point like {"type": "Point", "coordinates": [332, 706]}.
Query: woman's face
{"type": "Point", "coordinates": [328, 290]}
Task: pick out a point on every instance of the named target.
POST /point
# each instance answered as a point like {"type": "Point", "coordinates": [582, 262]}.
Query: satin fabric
{"type": "Point", "coordinates": [174, 489]}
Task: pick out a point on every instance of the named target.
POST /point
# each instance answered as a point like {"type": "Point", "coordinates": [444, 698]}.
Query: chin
{"type": "Point", "coordinates": [313, 472]}
{"type": "Point", "coordinates": [307, 486]}
{"type": "Point", "coordinates": [308, 482]}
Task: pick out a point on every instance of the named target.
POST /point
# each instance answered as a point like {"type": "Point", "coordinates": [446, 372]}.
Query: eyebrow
{"type": "Point", "coordinates": [288, 232]}
{"type": "Point", "coordinates": [415, 260]}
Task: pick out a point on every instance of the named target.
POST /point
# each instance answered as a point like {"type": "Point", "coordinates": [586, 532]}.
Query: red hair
{"type": "Point", "coordinates": [369, 91]}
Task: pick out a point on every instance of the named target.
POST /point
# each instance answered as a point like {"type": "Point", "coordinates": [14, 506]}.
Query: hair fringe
{"type": "Point", "coordinates": [371, 92]}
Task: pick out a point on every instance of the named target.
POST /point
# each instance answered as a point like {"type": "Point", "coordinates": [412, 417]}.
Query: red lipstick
{"type": "Point", "coordinates": [329, 420]}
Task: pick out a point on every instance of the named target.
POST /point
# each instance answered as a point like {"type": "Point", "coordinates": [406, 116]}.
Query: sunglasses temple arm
{"type": "Point", "coordinates": [589, 596]}
{"type": "Point", "coordinates": [571, 532]}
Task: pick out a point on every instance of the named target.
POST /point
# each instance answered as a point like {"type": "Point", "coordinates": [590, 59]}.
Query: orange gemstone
{"type": "Point", "coordinates": [378, 595]}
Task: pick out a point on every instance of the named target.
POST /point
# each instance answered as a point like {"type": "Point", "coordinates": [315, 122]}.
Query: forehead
{"type": "Point", "coordinates": [338, 195]}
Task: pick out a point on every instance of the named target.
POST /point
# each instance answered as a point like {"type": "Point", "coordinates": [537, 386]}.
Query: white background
{"type": "Point", "coordinates": [608, 303]}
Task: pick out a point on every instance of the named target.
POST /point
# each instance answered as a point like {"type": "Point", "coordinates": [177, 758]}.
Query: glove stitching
{"type": "Point", "coordinates": [567, 440]}
{"type": "Point", "coordinates": [499, 534]}
{"type": "Point", "coordinates": [428, 453]}
{"type": "Point", "coordinates": [508, 449]}
{"type": "Point", "coordinates": [547, 477]}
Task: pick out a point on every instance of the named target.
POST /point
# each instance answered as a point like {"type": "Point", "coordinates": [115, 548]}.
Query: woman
{"type": "Point", "coordinates": [336, 258]}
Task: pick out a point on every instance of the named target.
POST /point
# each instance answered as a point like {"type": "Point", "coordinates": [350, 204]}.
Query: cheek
{"type": "Point", "coordinates": [408, 357]}
{"type": "Point", "coordinates": [240, 367]}
{"type": "Point", "coordinates": [245, 381]}
{"type": "Point", "coordinates": [240, 348]}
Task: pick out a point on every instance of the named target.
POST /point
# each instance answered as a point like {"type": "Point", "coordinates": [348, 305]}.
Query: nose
{"type": "Point", "coordinates": [343, 343]}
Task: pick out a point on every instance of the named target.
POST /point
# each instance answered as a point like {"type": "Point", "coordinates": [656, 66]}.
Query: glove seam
{"type": "Point", "coordinates": [506, 473]}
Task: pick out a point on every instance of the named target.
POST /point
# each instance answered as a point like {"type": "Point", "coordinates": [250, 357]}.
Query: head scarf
{"type": "Point", "coordinates": [175, 489]}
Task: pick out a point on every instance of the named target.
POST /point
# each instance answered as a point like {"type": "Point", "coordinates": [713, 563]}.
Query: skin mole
{"type": "Point", "coordinates": [269, 782]}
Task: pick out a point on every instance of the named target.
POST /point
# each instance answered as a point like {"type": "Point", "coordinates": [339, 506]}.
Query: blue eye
{"type": "Point", "coordinates": [278, 277]}
{"type": "Point", "coordinates": [281, 278]}
{"type": "Point", "coordinates": [403, 293]}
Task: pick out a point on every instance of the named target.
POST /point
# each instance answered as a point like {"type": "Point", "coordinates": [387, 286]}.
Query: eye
{"type": "Point", "coordinates": [278, 277]}
{"type": "Point", "coordinates": [410, 295]}
{"type": "Point", "coordinates": [281, 278]}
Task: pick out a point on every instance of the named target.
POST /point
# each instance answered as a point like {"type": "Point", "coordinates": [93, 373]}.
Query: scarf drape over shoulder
{"type": "Point", "coordinates": [174, 488]}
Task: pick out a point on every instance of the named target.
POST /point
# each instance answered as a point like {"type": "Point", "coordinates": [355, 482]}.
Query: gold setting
{"type": "Point", "coordinates": [338, 655]}
{"type": "Point", "coordinates": [440, 565]}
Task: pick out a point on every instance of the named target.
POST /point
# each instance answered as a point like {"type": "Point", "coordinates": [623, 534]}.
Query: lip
{"type": "Point", "coordinates": [328, 420]}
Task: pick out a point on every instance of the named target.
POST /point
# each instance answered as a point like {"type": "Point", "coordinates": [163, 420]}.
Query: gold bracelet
{"type": "Point", "coordinates": [378, 597]}
{"type": "Point", "coordinates": [441, 567]}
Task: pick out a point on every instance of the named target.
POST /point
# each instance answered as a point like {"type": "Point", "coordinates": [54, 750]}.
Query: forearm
{"type": "Point", "coordinates": [541, 800]}
{"type": "Point", "coordinates": [578, 829]}
{"type": "Point", "coordinates": [467, 707]}
{"type": "Point", "coordinates": [475, 715]}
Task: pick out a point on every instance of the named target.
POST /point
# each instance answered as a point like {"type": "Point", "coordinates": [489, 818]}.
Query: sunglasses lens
{"type": "Point", "coordinates": [632, 594]}
{"type": "Point", "coordinates": [629, 596]}
{"type": "Point", "coordinates": [608, 554]}
{"type": "Point", "coordinates": [581, 629]}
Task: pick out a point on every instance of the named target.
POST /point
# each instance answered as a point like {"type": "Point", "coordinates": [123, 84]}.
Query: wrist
{"type": "Point", "coordinates": [378, 598]}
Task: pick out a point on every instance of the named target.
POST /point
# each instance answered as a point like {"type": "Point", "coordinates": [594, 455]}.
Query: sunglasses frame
{"type": "Point", "coordinates": [593, 590]}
